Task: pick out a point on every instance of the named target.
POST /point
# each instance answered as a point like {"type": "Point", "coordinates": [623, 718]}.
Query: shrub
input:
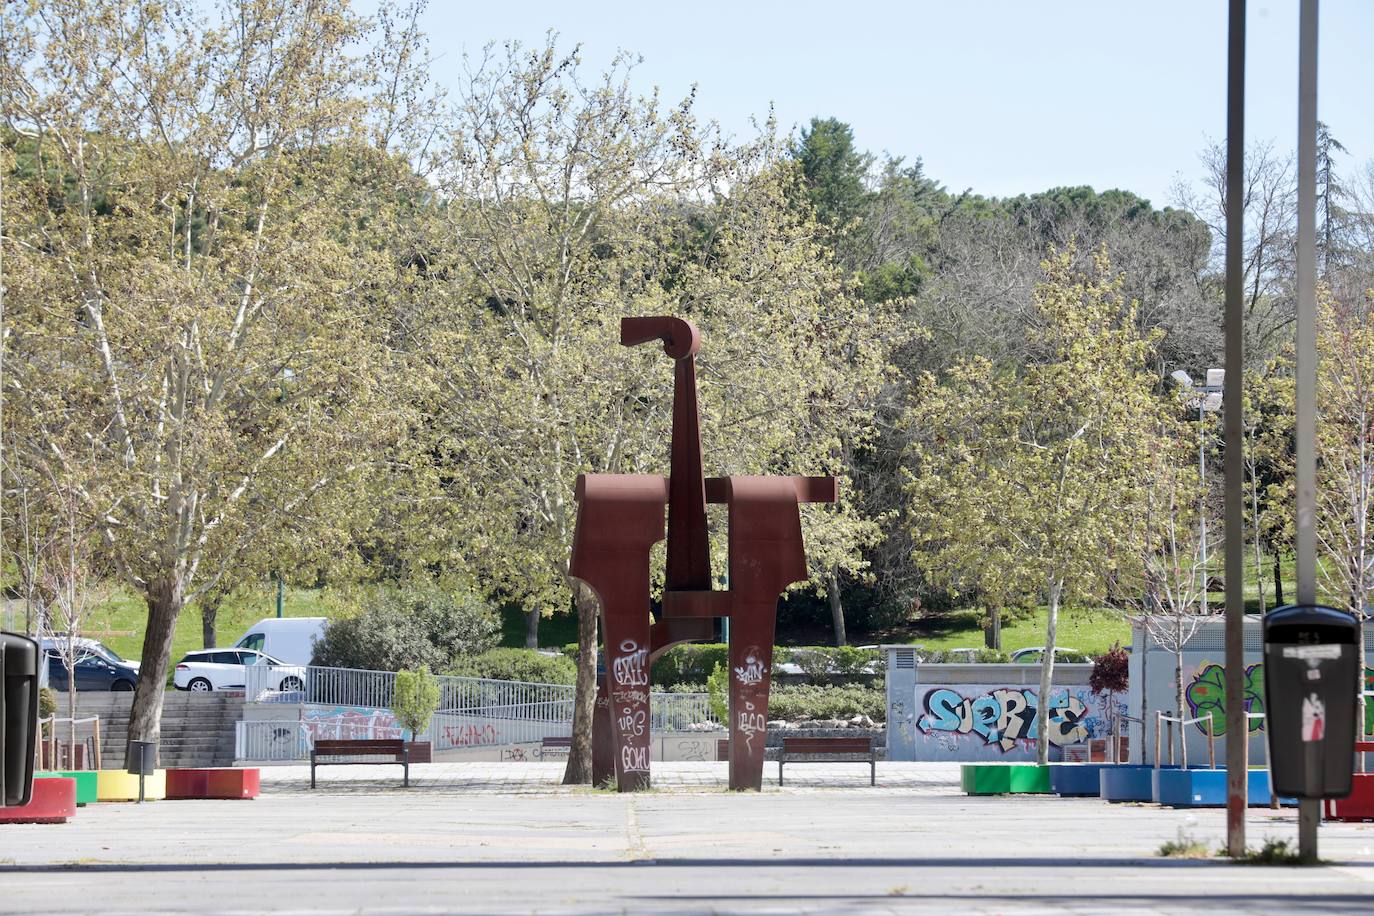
{"type": "Point", "coordinates": [518, 665]}
{"type": "Point", "coordinates": [1111, 671]}
{"type": "Point", "coordinates": [718, 689]}
{"type": "Point", "coordinates": [409, 627]}
{"type": "Point", "coordinates": [804, 702]}
{"type": "Point", "coordinates": [690, 663]}
{"type": "Point", "coordinates": [828, 664]}
{"type": "Point", "coordinates": [416, 699]}
{"type": "Point", "coordinates": [982, 656]}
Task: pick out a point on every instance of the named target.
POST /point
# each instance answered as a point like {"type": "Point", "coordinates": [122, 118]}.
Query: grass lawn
{"type": "Point", "coordinates": [120, 623]}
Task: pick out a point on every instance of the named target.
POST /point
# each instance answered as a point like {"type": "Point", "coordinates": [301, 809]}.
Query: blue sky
{"type": "Point", "coordinates": [999, 96]}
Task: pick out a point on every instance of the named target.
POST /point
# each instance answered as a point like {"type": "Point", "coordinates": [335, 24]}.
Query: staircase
{"type": "Point", "coordinates": [197, 728]}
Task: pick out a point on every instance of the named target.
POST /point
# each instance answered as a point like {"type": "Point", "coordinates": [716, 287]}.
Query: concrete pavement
{"type": "Point", "coordinates": [505, 837]}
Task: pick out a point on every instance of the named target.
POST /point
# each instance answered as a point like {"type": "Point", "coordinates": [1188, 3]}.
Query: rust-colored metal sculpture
{"type": "Point", "coordinates": [619, 519]}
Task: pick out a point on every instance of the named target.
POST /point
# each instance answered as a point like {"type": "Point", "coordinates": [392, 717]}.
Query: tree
{"type": "Point", "coordinates": [834, 174]}
{"type": "Point", "coordinates": [198, 285]}
{"type": "Point", "coordinates": [1028, 485]}
{"type": "Point", "coordinates": [1163, 589]}
{"type": "Point", "coordinates": [1345, 459]}
{"type": "Point", "coordinates": [570, 204]}
{"type": "Point", "coordinates": [73, 592]}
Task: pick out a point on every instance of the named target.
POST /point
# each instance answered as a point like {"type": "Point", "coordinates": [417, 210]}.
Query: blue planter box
{"type": "Point", "coordinates": [1206, 788]}
{"type": "Point", "coordinates": [1127, 782]}
{"type": "Point", "coordinates": [1079, 779]}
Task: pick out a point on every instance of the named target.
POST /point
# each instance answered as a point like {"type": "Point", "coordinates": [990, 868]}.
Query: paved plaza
{"type": "Point", "coordinates": [486, 838]}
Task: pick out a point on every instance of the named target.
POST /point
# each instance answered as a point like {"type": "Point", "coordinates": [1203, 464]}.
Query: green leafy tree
{"type": "Point", "coordinates": [415, 700]}
{"type": "Point", "coordinates": [834, 173]}
{"type": "Point", "coordinates": [1026, 485]}
{"type": "Point", "coordinates": [198, 288]}
{"type": "Point", "coordinates": [571, 204]}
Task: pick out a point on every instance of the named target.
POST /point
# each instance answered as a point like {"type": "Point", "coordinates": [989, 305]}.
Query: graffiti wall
{"type": "Point", "coordinates": [993, 722]}
{"type": "Point", "coordinates": [1206, 694]}
{"type": "Point", "coordinates": [350, 723]}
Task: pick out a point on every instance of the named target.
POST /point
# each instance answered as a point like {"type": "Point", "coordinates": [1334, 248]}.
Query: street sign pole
{"type": "Point", "coordinates": [1309, 813]}
{"type": "Point", "coordinates": [1237, 724]}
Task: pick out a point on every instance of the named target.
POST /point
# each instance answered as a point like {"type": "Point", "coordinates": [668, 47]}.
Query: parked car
{"type": "Point", "coordinates": [1032, 656]}
{"type": "Point", "coordinates": [225, 669]}
{"type": "Point", "coordinates": [58, 641]}
{"type": "Point", "coordinates": [93, 671]}
{"type": "Point", "coordinates": [291, 639]}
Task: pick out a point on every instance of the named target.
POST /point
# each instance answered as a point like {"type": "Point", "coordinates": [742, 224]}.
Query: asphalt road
{"type": "Point", "coordinates": [370, 847]}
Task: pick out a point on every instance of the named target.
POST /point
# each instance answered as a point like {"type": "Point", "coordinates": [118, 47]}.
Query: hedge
{"type": "Point", "coordinates": [518, 665]}
{"type": "Point", "coordinates": [803, 702]}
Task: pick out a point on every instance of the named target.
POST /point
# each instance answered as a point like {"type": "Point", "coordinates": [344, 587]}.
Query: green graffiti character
{"type": "Point", "coordinates": [1207, 695]}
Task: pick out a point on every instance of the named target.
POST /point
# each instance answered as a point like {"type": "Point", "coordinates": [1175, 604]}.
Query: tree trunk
{"type": "Point", "coordinates": [992, 636]}
{"type": "Point", "coordinates": [164, 600]}
{"type": "Point", "coordinates": [1278, 583]}
{"type": "Point", "coordinates": [209, 611]}
{"type": "Point", "coordinates": [1178, 692]}
{"type": "Point", "coordinates": [1042, 711]}
{"type": "Point", "coordinates": [532, 629]}
{"type": "Point", "coordinates": [579, 769]}
{"type": "Point", "coordinates": [836, 609]}
{"type": "Point", "coordinates": [1359, 694]}
{"type": "Point", "coordinates": [71, 733]}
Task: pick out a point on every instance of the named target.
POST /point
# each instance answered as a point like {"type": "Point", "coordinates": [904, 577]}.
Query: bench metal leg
{"type": "Point", "coordinates": [407, 782]}
{"type": "Point", "coordinates": [312, 769]}
{"type": "Point", "coordinates": [779, 771]}
{"type": "Point", "coordinates": [873, 771]}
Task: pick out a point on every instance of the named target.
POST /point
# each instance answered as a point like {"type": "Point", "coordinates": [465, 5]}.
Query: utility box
{"type": "Point", "coordinates": [19, 667]}
{"type": "Point", "coordinates": [1311, 679]}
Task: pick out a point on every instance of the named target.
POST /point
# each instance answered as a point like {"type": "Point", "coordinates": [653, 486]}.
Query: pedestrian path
{"type": "Point", "coordinates": [546, 778]}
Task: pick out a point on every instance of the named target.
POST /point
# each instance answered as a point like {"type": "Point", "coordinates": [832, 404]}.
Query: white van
{"type": "Point", "coordinates": [290, 639]}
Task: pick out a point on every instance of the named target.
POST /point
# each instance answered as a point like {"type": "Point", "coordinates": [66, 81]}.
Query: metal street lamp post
{"type": "Point", "coordinates": [1207, 398]}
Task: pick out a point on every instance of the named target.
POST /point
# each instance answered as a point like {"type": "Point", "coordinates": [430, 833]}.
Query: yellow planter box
{"type": "Point", "coordinates": [117, 785]}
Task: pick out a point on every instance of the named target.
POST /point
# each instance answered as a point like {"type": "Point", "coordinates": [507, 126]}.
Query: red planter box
{"type": "Point", "coordinates": [54, 800]}
{"type": "Point", "coordinates": [213, 782]}
{"type": "Point", "coordinates": [1359, 806]}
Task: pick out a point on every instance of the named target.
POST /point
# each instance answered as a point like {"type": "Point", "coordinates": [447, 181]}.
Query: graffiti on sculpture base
{"type": "Point", "coordinates": [1005, 717]}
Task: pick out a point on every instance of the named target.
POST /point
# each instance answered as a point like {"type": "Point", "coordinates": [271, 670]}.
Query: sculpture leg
{"type": "Point", "coordinates": [627, 682]}
{"type": "Point", "coordinates": [751, 675]}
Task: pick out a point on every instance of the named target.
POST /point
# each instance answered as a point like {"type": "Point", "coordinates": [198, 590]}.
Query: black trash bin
{"type": "Point", "coordinates": [18, 717]}
{"type": "Point", "coordinates": [1311, 679]}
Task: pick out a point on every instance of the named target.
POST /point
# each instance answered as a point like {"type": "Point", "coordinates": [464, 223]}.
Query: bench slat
{"type": "Point", "coordinates": [827, 745]}
{"type": "Point", "coordinates": [362, 745]}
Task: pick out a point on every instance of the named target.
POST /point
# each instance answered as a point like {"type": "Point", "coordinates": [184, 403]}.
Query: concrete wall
{"type": "Point", "coordinates": [984, 712]}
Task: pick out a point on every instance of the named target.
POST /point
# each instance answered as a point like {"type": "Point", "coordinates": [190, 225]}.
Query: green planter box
{"type": "Point", "coordinates": [1005, 778]}
{"type": "Point", "coordinates": [85, 782]}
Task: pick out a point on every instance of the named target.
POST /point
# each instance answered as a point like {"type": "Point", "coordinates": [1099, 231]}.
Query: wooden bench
{"type": "Point", "coordinates": [393, 749]}
{"type": "Point", "coordinates": [809, 749]}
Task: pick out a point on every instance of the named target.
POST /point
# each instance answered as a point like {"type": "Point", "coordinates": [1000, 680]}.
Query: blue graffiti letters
{"type": "Point", "coordinates": [1004, 716]}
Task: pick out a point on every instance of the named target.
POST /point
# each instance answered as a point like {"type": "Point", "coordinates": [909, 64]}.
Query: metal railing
{"type": "Point", "coordinates": [263, 741]}
{"type": "Point", "coordinates": [473, 712]}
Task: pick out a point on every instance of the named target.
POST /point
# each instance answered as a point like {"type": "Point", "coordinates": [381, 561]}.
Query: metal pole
{"type": "Point", "coordinates": [1309, 811]}
{"type": "Point", "coordinates": [1202, 496]}
{"type": "Point", "coordinates": [281, 595]}
{"type": "Point", "coordinates": [1236, 724]}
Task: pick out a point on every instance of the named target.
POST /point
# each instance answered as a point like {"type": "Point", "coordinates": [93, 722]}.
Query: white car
{"type": "Point", "coordinates": [226, 669]}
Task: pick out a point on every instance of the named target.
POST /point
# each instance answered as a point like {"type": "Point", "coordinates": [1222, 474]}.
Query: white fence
{"type": "Point", "coordinates": [473, 712]}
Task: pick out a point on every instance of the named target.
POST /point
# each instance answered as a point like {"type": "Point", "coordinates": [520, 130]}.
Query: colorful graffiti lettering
{"type": "Point", "coordinates": [351, 722]}
{"type": "Point", "coordinates": [1004, 716]}
{"type": "Point", "coordinates": [1206, 695]}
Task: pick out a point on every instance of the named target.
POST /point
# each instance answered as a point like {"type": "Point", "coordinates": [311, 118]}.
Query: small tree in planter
{"type": "Point", "coordinates": [1110, 676]}
{"type": "Point", "coordinates": [415, 702]}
